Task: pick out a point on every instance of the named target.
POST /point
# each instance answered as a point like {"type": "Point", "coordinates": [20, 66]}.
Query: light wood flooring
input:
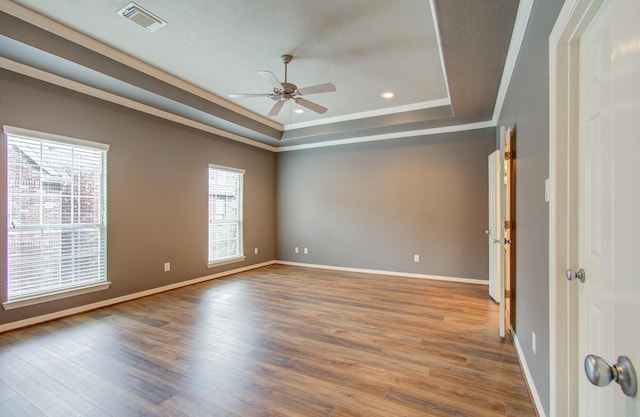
{"type": "Point", "coordinates": [275, 341]}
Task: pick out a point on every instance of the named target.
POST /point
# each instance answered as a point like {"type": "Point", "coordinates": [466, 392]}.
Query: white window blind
{"type": "Point", "coordinates": [225, 214]}
{"type": "Point", "coordinates": [57, 226]}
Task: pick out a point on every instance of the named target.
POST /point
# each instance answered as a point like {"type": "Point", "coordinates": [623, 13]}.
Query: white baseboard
{"type": "Point", "coordinates": [378, 272]}
{"type": "Point", "coordinates": [527, 374]}
{"type": "Point", "coordinates": [105, 303]}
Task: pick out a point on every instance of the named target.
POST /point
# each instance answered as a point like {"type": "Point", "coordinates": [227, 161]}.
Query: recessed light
{"type": "Point", "coordinates": [388, 94]}
{"type": "Point", "coordinates": [298, 111]}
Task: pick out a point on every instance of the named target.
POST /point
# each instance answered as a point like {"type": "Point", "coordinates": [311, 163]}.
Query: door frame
{"type": "Point", "coordinates": [495, 257]}
{"type": "Point", "coordinates": [507, 212]}
{"type": "Point", "coordinates": [563, 186]}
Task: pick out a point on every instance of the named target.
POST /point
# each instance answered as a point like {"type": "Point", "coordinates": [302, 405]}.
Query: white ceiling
{"type": "Point", "coordinates": [363, 47]}
{"type": "Point", "coordinates": [445, 60]}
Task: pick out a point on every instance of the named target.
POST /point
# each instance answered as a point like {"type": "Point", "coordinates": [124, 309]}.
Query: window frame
{"type": "Point", "coordinates": [71, 290]}
{"type": "Point", "coordinates": [239, 256]}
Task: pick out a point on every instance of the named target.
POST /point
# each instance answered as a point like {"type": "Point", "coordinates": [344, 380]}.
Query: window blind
{"type": "Point", "coordinates": [225, 213]}
{"type": "Point", "coordinates": [56, 197]}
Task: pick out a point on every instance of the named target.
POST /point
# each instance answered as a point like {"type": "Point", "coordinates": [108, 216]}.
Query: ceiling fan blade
{"type": "Point", "coordinates": [315, 89]}
{"type": "Point", "coordinates": [276, 108]}
{"type": "Point", "coordinates": [240, 95]}
{"type": "Point", "coordinates": [311, 105]}
{"type": "Point", "coordinates": [271, 79]}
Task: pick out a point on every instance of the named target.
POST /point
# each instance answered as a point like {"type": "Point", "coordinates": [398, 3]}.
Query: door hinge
{"type": "Point", "coordinates": [508, 225]}
{"type": "Point", "coordinates": [507, 156]}
{"type": "Point", "coordinates": [507, 294]}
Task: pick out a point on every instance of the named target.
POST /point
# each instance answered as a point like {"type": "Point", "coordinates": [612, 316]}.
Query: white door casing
{"type": "Point", "coordinates": [494, 235]}
{"type": "Point", "coordinates": [595, 165]}
{"type": "Point", "coordinates": [594, 212]}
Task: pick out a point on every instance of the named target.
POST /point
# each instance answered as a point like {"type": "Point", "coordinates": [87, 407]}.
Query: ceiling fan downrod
{"type": "Point", "coordinates": [289, 89]}
{"type": "Point", "coordinates": [286, 59]}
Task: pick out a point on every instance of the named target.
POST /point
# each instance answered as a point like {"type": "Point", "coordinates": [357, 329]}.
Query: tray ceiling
{"type": "Point", "coordinates": [443, 59]}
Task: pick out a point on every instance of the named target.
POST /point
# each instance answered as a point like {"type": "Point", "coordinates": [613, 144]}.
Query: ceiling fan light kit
{"type": "Point", "coordinates": [285, 91]}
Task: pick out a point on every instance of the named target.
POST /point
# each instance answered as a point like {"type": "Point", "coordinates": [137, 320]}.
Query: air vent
{"type": "Point", "coordinates": [141, 17]}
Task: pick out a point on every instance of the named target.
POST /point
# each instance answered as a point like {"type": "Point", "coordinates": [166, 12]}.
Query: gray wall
{"type": "Point", "coordinates": [527, 107]}
{"type": "Point", "coordinates": [157, 188]}
{"type": "Point", "coordinates": [375, 205]}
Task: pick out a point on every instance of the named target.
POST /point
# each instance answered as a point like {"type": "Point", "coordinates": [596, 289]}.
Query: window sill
{"type": "Point", "coordinates": [58, 295]}
{"type": "Point", "coordinates": [226, 261]}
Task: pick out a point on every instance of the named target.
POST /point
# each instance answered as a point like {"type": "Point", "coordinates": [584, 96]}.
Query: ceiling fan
{"type": "Point", "coordinates": [282, 92]}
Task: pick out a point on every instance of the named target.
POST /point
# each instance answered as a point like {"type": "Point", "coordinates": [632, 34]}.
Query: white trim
{"type": "Point", "coordinates": [527, 375]}
{"type": "Point", "coordinates": [390, 273]}
{"type": "Point", "coordinates": [226, 261]}
{"type": "Point", "coordinates": [387, 136]}
{"type": "Point", "coordinates": [34, 134]}
{"type": "Point", "coordinates": [122, 101]}
{"type": "Point", "coordinates": [74, 36]}
{"type": "Point", "coordinates": [440, 51]}
{"type": "Point", "coordinates": [213, 172]}
{"type": "Point", "coordinates": [105, 303]}
{"type": "Point", "coordinates": [57, 295]}
{"type": "Point", "coordinates": [563, 315]}
{"type": "Point", "coordinates": [519, 30]}
{"type": "Point", "coordinates": [373, 113]}
{"type": "Point", "coordinates": [557, 377]}
{"type": "Point", "coordinates": [226, 168]}
{"type": "Point", "coordinates": [135, 105]}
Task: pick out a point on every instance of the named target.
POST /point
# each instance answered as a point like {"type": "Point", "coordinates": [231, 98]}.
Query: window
{"type": "Point", "coordinates": [225, 215]}
{"type": "Point", "coordinates": [56, 217]}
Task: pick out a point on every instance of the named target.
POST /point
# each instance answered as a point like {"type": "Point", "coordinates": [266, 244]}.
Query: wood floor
{"type": "Point", "coordinates": [276, 341]}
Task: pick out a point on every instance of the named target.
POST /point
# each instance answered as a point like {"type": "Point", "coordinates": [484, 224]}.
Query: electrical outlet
{"type": "Point", "coordinates": [416, 258]}
{"type": "Point", "coordinates": [167, 266]}
{"type": "Point", "coordinates": [255, 251]}
{"type": "Point", "coordinates": [297, 250]}
{"type": "Point", "coordinates": [533, 342]}
{"type": "Point", "coordinates": [306, 251]}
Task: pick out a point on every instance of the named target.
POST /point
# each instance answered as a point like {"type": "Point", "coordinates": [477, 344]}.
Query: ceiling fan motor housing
{"type": "Point", "coordinates": [289, 89]}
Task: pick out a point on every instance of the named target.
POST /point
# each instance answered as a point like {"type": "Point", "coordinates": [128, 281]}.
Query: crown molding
{"type": "Point", "coordinates": [123, 101]}
{"type": "Point", "coordinates": [389, 136]}
{"type": "Point", "coordinates": [517, 37]}
{"type": "Point", "coordinates": [92, 44]}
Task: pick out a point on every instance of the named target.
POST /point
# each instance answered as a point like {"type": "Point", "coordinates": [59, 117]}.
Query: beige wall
{"type": "Point", "coordinates": [375, 205]}
{"type": "Point", "coordinates": [367, 206]}
{"type": "Point", "coordinates": [157, 188]}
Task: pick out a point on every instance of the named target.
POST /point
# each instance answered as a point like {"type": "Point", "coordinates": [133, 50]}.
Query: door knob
{"type": "Point", "coordinates": [572, 275]}
{"type": "Point", "coordinates": [486, 232]}
{"type": "Point", "coordinates": [600, 373]}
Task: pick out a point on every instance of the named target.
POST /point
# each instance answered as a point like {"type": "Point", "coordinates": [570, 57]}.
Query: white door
{"type": "Point", "coordinates": [609, 200]}
{"type": "Point", "coordinates": [494, 230]}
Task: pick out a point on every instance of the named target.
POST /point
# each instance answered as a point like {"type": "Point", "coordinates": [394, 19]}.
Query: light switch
{"type": "Point", "coordinates": [546, 190]}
